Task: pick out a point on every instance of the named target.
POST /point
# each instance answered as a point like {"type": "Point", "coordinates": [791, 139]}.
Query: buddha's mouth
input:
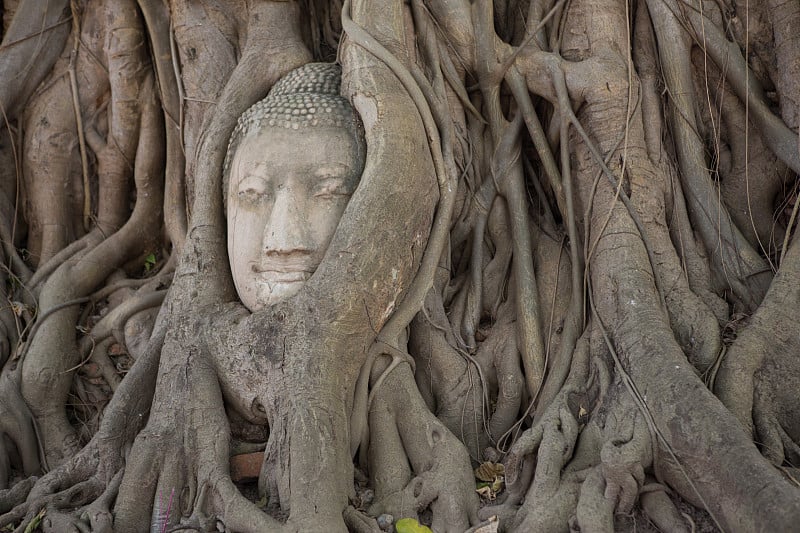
{"type": "Point", "coordinates": [283, 273]}
{"type": "Point", "coordinates": [285, 277]}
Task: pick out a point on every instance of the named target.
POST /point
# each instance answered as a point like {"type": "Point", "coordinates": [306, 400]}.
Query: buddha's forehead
{"type": "Point", "coordinates": [309, 149]}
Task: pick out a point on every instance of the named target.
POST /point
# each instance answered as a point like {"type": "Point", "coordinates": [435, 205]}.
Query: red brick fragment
{"type": "Point", "coordinates": [246, 467]}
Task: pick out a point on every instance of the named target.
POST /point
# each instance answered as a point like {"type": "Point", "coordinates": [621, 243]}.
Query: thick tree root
{"type": "Point", "coordinates": [415, 461]}
{"type": "Point", "coordinates": [17, 426]}
{"type": "Point", "coordinates": [510, 291]}
{"type": "Point", "coordinates": [658, 506]}
{"type": "Point", "coordinates": [760, 370]}
{"type": "Point", "coordinates": [182, 456]}
{"type": "Point", "coordinates": [552, 439]}
{"type": "Point", "coordinates": [73, 484]}
{"type": "Point", "coordinates": [10, 498]}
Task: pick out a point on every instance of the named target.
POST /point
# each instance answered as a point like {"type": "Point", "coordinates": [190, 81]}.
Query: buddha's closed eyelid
{"type": "Point", "coordinates": [253, 183]}
{"type": "Point", "coordinates": [254, 190]}
{"type": "Point", "coordinates": [332, 186]}
{"type": "Point", "coordinates": [254, 198]}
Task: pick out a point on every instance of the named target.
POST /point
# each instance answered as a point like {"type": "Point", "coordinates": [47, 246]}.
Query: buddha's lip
{"type": "Point", "coordinates": [283, 267]}
{"type": "Point", "coordinates": [281, 276]}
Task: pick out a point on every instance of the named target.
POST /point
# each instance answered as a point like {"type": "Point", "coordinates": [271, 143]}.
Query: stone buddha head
{"type": "Point", "coordinates": [293, 161]}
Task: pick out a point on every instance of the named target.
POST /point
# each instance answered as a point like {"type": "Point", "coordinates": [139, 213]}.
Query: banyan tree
{"type": "Point", "coordinates": [515, 265]}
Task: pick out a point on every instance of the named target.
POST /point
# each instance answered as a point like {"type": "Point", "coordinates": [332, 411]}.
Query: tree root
{"type": "Point", "coordinates": [737, 262]}
{"type": "Point", "coordinates": [93, 468]}
{"type": "Point", "coordinates": [182, 454]}
{"type": "Point", "coordinates": [358, 522]}
{"type": "Point", "coordinates": [552, 495]}
{"type": "Point", "coordinates": [463, 387]}
{"type": "Point", "coordinates": [31, 59]}
{"type": "Point", "coordinates": [754, 378]}
{"type": "Point", "coordinates": [46, 376]}
{"type": "Point", "coordinates": [73, 484]}
{"type": "Point", "coordinates": [10, 498]}
{"type": "Point", "coordinates": [17, 424]}
{"type": "Point", "coordinates": [612, 486]}
{"type": "Point", "coordinates": [415, 462]}
{"type": "Point", "coordinates": [657, 505]}
{"type": "Point", "coordinates": [95, 517]}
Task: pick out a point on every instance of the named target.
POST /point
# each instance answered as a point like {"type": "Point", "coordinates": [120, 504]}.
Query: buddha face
{"type": "Point", "coordinates": [286, 193]}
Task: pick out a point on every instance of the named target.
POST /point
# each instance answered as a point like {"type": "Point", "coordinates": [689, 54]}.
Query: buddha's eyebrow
{"type": "Point", "coordinates": [332, 170]}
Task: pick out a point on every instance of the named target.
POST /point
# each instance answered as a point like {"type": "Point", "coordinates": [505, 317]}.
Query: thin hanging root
{"type": "Point", "coordinates": [73, 82]}
{"type": "Point", "coordinates": [510, 183]}
{"type": "Point", "coordinates": [451, 76]}
{"type": "Point", "coordinates": [16, 263]}
{"type": "Point", "coordinates": [735, 259]}
{"type": "Point", "coordinates": [789, 230]}
{"type": "Point", "coordinates": [476, 265]}
{"type": "Point", "coordinates": [439, 60]}
{"type": "Point", "coordinates": [728, 57]}
{"type": "Point", "coordinates": [538, 136]}
{"type": "Point", "coordinates": [512, 187]}
{"type": "Point", "coordinates": [509, 61]}
{"type": "Point", "coordinates": [573, 321]}
{"type": "Point", "coordinates": [160, 30]}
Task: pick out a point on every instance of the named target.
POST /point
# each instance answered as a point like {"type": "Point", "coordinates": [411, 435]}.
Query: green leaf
{"type": "Point", "coordinates": [262, 503]}
{"type": "Point", "coordinates": [35, 522]}
{"type": "Point", "coordinates": [409, 525]}
{"type": "Point", "coordinates": [149, 262]}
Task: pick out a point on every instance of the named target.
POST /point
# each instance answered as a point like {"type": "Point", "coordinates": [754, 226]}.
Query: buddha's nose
{"type": "Point", "coordinates": [287, 230]}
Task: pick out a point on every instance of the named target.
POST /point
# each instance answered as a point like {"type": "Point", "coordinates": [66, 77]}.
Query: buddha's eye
{"type": "Point", "coordinates": [254, 191]}
{"type": "Point", "coordinates": [332, 187]}
{"type": "Point", "coordinates": [253, 196]}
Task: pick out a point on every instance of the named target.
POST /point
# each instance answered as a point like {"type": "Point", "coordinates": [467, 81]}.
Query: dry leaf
{"type": "Point", "coordinates": [488, 471]}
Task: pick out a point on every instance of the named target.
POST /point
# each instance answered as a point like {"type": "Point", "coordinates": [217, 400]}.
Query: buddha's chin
{"type": "Point", "coordinates": [275, 292]}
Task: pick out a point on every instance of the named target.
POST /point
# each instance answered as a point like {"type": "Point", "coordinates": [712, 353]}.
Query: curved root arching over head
{"type": "Point", "coordinates": [560, 298]}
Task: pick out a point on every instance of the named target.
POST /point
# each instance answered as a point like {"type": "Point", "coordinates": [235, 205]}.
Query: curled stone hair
{"type": "Point", "coordinates": [307, 96]}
